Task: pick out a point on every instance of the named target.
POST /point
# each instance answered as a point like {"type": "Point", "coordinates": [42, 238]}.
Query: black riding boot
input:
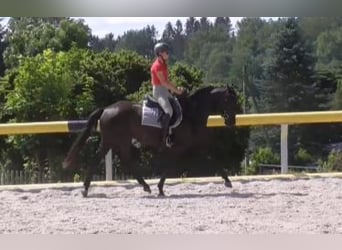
{"type": "Point", "coordinates": [165, 122]}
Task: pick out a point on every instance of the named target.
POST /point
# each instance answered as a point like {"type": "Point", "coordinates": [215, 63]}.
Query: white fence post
{"type": "Point", "coordinates": [284, 148]}
{"type": "Point", "coordinates": [109, 166]}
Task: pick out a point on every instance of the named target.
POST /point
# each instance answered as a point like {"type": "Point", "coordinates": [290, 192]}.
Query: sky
{"type": "Point", "coordinates": [101, 26]}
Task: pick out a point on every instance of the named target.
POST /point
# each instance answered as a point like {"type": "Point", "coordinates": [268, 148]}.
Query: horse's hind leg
{"type": "Point", "coordinates": [128, 163]}
{"type": "Point", "coordinates": [101, 152]}
{"type": "Point", "coordinates": [224, 175]}
{"type": "Point", "coordinates": [161, 186]}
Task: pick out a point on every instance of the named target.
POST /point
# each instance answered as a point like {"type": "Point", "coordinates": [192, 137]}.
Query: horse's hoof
{"type": "Point", "coordinates": [85, 194]}
{"type": "Point", "coordinates": [161, 194]}
{"type": "Point", "coordinates": [228, 184]}
{"type": "Point", "coordinates": [147, 189]}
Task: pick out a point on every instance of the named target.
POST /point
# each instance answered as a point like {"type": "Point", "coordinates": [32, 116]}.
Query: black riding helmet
{"type": "Point", "coordinates": [160, 48]}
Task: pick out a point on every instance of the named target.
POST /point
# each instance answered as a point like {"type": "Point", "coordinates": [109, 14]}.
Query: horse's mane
{"type": "Point", "coordinates": [195, 105]}
{"type": "Point", "coordinates": [200, 92]}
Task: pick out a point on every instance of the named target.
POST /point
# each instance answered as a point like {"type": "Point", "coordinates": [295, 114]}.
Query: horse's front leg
{"type": "Point", "coordinates": [129, 163]}
{"type": "Point", "coordinates": [142, 182]}
{"type": "Point", "coordinates": [161, 186]}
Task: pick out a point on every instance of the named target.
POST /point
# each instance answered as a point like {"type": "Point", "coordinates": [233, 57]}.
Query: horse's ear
{"type": "Point", "coordinates": [228, 88]}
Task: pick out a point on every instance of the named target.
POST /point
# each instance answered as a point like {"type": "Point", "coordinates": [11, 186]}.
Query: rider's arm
{"type": "Point", "coordinates": [168, 84]}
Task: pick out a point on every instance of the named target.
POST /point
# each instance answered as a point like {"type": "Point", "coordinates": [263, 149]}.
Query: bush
{"type": "Point", "coordinates": [303, 157]}
{"type": "Point", "coordinates": [77, 178]}
{"type": "Point", "coordinates": [262, 155]}
{"type": "Point", "coordinates": [333, 163]}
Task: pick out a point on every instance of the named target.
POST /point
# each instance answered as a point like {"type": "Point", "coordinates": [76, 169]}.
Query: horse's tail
{"type": "Point", "coordinates": [82, 138]}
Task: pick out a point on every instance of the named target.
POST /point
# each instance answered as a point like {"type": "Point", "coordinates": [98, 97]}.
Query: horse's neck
{"type": "Point", "coordinates": [201, 101]}
{"type": "Point", "coordinates": [196, 109]}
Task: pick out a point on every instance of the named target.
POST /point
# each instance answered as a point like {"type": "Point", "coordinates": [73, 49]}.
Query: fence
{"type": "Point", "coordinates": [282, 119]}
{"type": "Point", "coordinates": [274, 168]}
{"type": "Point", "coordinates": [13, 177]}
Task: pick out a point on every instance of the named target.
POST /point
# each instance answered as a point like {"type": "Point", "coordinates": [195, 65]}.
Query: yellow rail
{"type": "Point", "coordinates": [34, 128]}
{"type": "Point", "coordinates": [280, 118]}
{"type": "Point", "coordinates": [213, 121]}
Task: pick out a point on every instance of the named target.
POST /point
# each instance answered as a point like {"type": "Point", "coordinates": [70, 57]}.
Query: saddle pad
{"type": "Point", "coordinates": [150, 116]}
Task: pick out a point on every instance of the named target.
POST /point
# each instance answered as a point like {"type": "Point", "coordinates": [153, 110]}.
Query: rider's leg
{"type": "Point", "coordinates": [162, 95]}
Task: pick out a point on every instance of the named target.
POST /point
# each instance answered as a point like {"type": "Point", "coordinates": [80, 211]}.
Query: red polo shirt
{"type": "Point", "coordinates": [158, 65]}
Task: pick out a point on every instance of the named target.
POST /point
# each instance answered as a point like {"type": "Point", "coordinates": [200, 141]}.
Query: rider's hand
{"type": "Point", "coordinates": [180, 90]}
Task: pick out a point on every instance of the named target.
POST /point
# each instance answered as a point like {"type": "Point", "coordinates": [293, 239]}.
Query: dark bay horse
{"type": "Point", "coordinates": [121, 122]}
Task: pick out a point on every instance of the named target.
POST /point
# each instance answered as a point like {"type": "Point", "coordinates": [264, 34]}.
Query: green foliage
{"type": "Point", "coordinates": [289, 68]}
{"type": "Point", "coordinates": [140, 41]}
{"type": "Point", "coordinates": [303, 157]}
{"type": "Point", "coordinates": [77, 178]}
{"type": "Point", "coordinates": [312, 27]}
{"type": "Point", "coordinates": [337, 100]}
{"type": "Point", "coordinates": [186, 76]}
{"type": "Point", "coordinates": [210, 50]}
{"type": "Point", "coordinates": [333, 163]}
{"type": "Point", "coordinates": [175, 37]}
{"type": "Point", "coordinates": [115, 75]}
{"type": "Point", "coordinates": [58, 86]}
{"type": "Point", "coordinates": [3, 46]}
{"type": "Point", "coordinates": [262, 156]}
{"type": "Point", "coordinates": [100, 44]}
{"type": "Point", "coordinates": [42, 88]}
{"type": "Point", "coordinates": [29, 36]}
{"type": "Point", "coordinates": [249, 51]}
{"type": "Point", "coordinates": [144, 90]}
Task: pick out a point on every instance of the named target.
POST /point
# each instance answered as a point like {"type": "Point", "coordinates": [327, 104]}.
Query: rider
{"type": "Point", "coordinates": [162, 85]}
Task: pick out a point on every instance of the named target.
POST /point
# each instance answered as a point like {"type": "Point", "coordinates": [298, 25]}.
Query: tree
{"type": "Point", "coordinates": [45, 89]}
{"type": "Point", "coordinates": [140, 41]}
{"type": "Point", "coordinates": [99, 44]}
{"type": "Point", "coordinates": [288, 71]}
{"type": "Point", "coordinates": [205, 24]}
{"type": "Point", "coordinates": [3, 45]}
{"type": "Point", "coordinates": [210, 50]}
{"type": "Point", "coordinates": [249, 49]}
{"type": "Point", "coordinates": [168, 33]}
{"type": "Point", "coordinates": [175, 37]}
{"type": "Point", "coordinates": [289, 81]}
{"type": "Point", "coordinates": [337, 99]}
{"type": "Point", "coordinates": [186, 76]}
{"type": "Point", "coordinates": [329, 49]}
{"type": "Point", "coordinates": [224, 23]}
{"type": "Point", "coordinates": [191, 26]}
{"type": "Point", "coordinates": [64, 86]}
{"type": "Point", "coordinates": [116, 75]}
{"type": "Point", "coordinates": [312, 27]}
{"type": "Point", "coordinates": [29, 36]}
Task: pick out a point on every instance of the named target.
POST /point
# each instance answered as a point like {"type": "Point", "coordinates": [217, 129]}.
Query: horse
{"type": "Point", "coordinates": [121, 123]}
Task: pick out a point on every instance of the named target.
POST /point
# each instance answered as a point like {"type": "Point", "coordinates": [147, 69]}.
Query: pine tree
{"type": "Point", "coordinates": [288, 71]}
{"type": "Point", "coordinates": [2, 49]}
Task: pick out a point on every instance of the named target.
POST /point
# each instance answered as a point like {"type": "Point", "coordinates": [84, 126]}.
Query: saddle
{"type": "Point", "coordinates": [152, 112]}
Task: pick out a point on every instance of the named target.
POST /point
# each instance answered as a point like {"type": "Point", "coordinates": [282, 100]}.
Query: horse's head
{"type": "Point", "coordinates": [210, 100]}
{"type": "Point", "coordinates": [226, 103]}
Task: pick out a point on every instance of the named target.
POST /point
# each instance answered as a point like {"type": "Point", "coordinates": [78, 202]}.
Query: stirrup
{"type": "Point", "coordinates": [168, 141]}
